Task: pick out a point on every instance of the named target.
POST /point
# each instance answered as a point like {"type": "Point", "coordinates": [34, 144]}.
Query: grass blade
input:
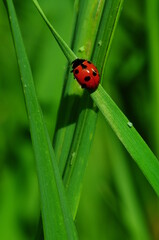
{"type": "Point", "coordinates": [73, 141]}
{"type": "Point", "coordinates": [84, 131]}
{"type": "Point", "coordinates": [153, 41]}
{"type": "Point", "coordinates": [132, 141]}
{"type": "Point", "coordinates": [63, 45]}
{"type": "Point", "coordinates": [74, 99]}
{"type": "Point", "coordinates": [57, 219]}
{"type": "Point", "coordinates": [106, 31]}
{"type": "Point", "coordinates": [130, 138]}
{"type": "Point", "coordinates": [131, 211]}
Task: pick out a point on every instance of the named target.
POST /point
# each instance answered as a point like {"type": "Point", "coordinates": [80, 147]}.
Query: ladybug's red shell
{"type": "Point", "coordinates": [86, 73]}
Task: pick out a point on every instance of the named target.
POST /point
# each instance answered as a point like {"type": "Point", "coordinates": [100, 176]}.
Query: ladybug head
{"type": "Point", "coordinates": [77, 62]}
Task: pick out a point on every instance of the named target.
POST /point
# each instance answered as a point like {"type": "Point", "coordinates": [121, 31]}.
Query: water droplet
{"type": "Point", "coordinates": [130, 124]}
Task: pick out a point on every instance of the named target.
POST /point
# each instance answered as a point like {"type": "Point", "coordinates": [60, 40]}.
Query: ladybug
{"type": "Point", "coordinates": [86, 74]}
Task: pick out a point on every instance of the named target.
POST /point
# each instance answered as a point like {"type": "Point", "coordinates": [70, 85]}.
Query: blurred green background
{"type": "Point", "coordinates": [117, 202]}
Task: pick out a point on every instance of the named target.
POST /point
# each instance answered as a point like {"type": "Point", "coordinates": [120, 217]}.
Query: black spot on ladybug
{"type": "Point", "coordinates": [89, 62]}
{"type": "Point", "coordinates": [87, 78]}
{"type": "Point", "coordinates": [94, 73]}
{"type": "Point", "coordinates": [83, 66]}
{"type": "Point", "coordinates": [76, 71]}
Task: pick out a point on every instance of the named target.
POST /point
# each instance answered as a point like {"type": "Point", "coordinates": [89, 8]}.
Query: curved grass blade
{"type": "Point", "coordinates": [63, 45]}
{"type": "Point", "coordinates": [130, 138]}
{"type": "Point", "coordinates": [57, 219]}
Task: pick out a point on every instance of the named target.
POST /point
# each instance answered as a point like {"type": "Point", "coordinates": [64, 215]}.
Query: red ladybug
{"type": "Point", "coordinates": [86, 74]}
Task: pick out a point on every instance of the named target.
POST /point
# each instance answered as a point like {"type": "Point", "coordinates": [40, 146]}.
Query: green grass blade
{"type": "Point", "coordinates": [106, 31]}
{"type": "Point", "coordinates": [74, 99]}
{"type": "Point", "coordinates": [81, 136]}
{"type": "Point", "coordinates": [130, 138]}
{"type": "Point", "coordinates": [87, 25]}
{"type": "Point", "coordinates": [85, 126]}
{"type": "Point", "coordinates": [69, 138]}
{"type": "Point", "coordinates": [131, 211]}
{"type": "Point", "coordinates": [132, 214]}
{"type": "Point", "coordinates": [153, 41]}
{"type": "Point", "coordinates": [64, 47]}
{"type": "Point", "coordinates": [57, 219]}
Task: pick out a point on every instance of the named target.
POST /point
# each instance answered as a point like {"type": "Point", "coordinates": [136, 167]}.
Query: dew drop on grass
{"type": "Point", "coordinates": [129, 124]}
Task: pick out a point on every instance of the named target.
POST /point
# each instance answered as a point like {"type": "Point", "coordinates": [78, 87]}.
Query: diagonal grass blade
{"type": "Point", "coordinates": [130, 138]}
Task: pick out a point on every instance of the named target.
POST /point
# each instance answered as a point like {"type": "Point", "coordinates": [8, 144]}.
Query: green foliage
{"type": "Point", "coordinates": [57, 219]}
{"type": "Point", "coordinates": [113, 195]}
{"type": "Point", "coordinates": [130, 138]}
